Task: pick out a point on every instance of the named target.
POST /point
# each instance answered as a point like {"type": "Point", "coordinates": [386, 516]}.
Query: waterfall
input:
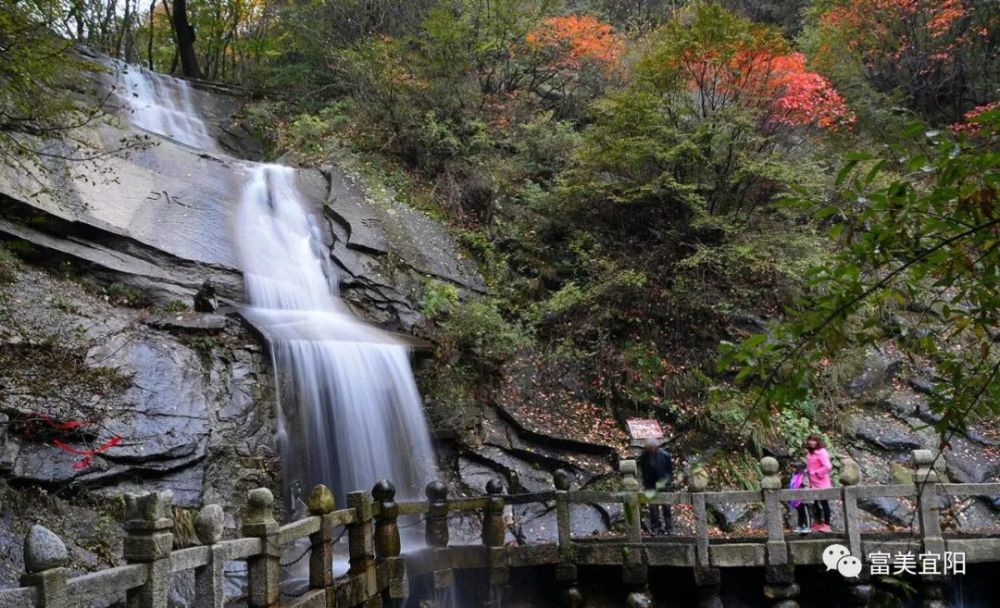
{"type": "Point", "coordinates": [162, 105]}
{"type": "Point", "coordinates": [350, 410]}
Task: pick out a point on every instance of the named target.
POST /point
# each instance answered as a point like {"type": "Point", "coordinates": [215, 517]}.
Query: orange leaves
{"type": "Point", "coordinates": [777, 83]}
{"type": "Point", "coordinates": [969, 124]}
{"type": "Point", "coordinates": [873, 24]}
{"type": "Point", "coordinates": [575, 40]}
{"type": "Point", "coordinates": [804, 97]}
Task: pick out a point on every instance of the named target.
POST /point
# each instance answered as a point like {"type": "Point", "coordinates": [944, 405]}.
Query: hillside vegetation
{"type": "Point", "coordinates": [723, 215]}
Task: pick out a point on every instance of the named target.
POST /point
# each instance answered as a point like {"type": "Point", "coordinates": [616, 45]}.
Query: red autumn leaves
{"type": "Point", "coordinates": [762, 77]}
{"type": "Point", "coordinates": [575, 40]}
{"type": "Point", "coordinates": [774, 83]}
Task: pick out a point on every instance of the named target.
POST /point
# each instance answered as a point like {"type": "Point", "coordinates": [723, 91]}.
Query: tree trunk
{"type": "Point", "coordinates": [124, 33]}
{"type": "Point", "coordinates": [185, 40]}
{"type": "Point", "coordinates": [152, 25]}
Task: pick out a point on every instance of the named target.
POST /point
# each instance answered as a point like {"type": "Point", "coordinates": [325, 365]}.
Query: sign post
{"type": "Point", "coordinates": [642, 429]}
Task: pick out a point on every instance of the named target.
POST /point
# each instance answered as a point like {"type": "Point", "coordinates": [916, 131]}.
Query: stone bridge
{"type": "Point", "coordinates": [380, 573]}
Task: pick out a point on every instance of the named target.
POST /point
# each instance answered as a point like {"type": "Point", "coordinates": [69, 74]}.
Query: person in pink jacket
{"type": "Point", "coordinates": [819, 467]}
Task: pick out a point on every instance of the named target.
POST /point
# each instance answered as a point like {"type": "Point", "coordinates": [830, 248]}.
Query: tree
{"type": "Point", "coordinates": [939, 55]}
{"type": "Point", "coordinates": [704, 126]}
{"type": "Point", "coordinates": [185, 40]}
{"type": "Point", "coordinates": [41, 123]}
{"type": "Point", "coordinates": [920, 248]}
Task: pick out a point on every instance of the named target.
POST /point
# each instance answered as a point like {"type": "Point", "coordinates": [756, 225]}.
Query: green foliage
{"type": "Point", "coordinates": [439, 298]}
{"type": "Point", "coordinates": [707, 151]}
{"type": "Point", "coordinates": [42, 106]}
{"type": "Point", "coordinates": [121, 294]}
{"type": "Point", "coordinates": [174, 306]}
{"type": "Point", "coordinates": [478, 328]}
{"type": "Point", "coordinates": [927, 242]}
{"type": "Point", "coordinates": [8, 265]}
{"type": "Point", "coordinates": [794, 427]}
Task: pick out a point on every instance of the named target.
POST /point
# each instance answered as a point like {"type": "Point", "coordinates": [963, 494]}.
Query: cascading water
{"type": "Point", "coordinates": [350, 413]}
{"type": "Point", "coordinates": [162, 105]}
{"type": "Point", "coordinates": [350, 410]}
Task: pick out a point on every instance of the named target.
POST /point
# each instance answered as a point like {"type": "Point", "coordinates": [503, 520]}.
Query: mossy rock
{"type": "Point", "coordinates": [900, 475]}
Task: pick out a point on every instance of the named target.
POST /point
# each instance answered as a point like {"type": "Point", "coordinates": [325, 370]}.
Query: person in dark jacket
{"type": "Point", "coordinates": [657, 468]}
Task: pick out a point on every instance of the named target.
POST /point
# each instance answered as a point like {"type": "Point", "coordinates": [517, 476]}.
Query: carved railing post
{"type": "Point", "coordinates": [494, 528]}
{"type": "Point", "coordinates": [926, 480]}
{"type": "Point", "coordinates": [858, 591]}
{"type": "Point", "coordinates": [321, 504]}
{"type": "Point", "coordinates": [436, 533]}
{"type": "Point", "coordinates": [360, 539]}
{"type": "Point", "coordinates": [436, 530]}
{"type": "Point", "coordinates": [928, 509]}
{"type": "Point", "coordinates": [148, 523]}
{"type": "Point", "coordinates": [566, 570]}
{"type": "Point", "coordinates": [779, 575]}
{"type": "Point", "coordinates": [263, 570]}
{"type": "Point", "coordinates": [630, 501]}
{"type": "Point", "coordinates": [45, 560]}
{"type": "Point", "coordinates": [563, 480]}
{"type": "Point", "coordinates": [208, 526]}
{"type": "Point", "coordinates": [387, 542]}
{"type": "Point", "coordinates": [494, 531]}
{"type": "Point", "coordinates": [774, 513]}
{"type": "Point", "coordinates": [707, 578]}
{"type": "Point", "coordinates": [635, 573]}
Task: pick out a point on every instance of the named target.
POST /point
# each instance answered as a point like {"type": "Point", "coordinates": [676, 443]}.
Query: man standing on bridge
{"type": "Point", "coordinates": [657, 468]}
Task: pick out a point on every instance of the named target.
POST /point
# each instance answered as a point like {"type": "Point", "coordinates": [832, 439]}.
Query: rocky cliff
{"type": "Point", "coordinates": [110, 380]}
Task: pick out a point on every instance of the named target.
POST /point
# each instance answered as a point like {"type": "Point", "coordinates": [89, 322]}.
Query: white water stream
{"type": "Point", "coordinates": [350, 412]}
{"type": "Point", "coordinates": [162, 105]}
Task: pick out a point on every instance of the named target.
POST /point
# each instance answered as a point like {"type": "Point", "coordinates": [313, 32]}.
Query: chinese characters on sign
{"type": "Point", "coordinates": [644, 428]}
{"type": "Point", "coordinates": [922, 564]}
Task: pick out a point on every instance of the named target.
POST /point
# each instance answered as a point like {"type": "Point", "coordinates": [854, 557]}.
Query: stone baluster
{"type": "Point", "coordinates": [494, 532]}
{"type": "Point", "coordinates": [630, 501]}
{"type": "Point", "coordinates": [436, 534]}
{"type": "Point", "coordinates": [148, 523]}
{"type": "Point", "coordinates": [436, 527]}
{"type": "Point", "coordinates": [707, 578]}
{"type": "Point", "coordinates": [360, 541]}
{"type": "Point", "coordinates": [928, 503]}
{"type": "Point", "coordinates": [263, 570]}
{"type": "Point", "coordinates": [857, 591]}
{"type": "Point", "coordinates": [928, 507]}
{"type": "Point", "coordinates": [566, 571]}
{"type": "Point", "coordinates": [45, 560]}
{"type": "Point", "coordinates": [563, 480]}
{"type": "Point", "coordinates": [774, 512]}
{"type": "Point", "coordinates": [321, 504]}
{"type": "Point", "coordinates": [494, 528]}
{"type": "Point", "coordinates": [387, 542]}
{"type": "Point", "coordinates": [780, 587]}
{"type": "Point", "coordinates": [208, 526]}
{"type": "Point", "coordinates": [635, 573]}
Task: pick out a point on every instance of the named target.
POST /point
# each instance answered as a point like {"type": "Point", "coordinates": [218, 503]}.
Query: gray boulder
{"type": "Point", "coordinates": [43, 550]}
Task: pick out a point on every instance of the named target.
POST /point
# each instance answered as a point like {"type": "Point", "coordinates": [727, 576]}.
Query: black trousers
{"type": "Point", "coordinates": [660, 518]}
{"type": "Point", "coordinates": [803, 514]}
{"type": "Point", "coordinates": [822, 510]}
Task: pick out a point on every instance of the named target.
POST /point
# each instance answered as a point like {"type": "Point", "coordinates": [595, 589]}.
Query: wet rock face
{"type": "Point", "coordinates": [159, 217]}
{"type": "Point", "coordinates": [878, 370]}
{"type": "Point", "coordinates": [386, 250]}
{"type": "Point", "coordinates": [187, 394]}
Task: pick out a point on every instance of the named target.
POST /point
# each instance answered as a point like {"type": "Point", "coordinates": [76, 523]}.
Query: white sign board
{"type": "Point", "coordinates": [644, 428]}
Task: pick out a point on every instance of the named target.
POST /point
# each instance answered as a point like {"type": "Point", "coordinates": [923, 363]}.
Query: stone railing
{"type": "Point", "coordinates": [379, 575]}
{"type": "Point", "coordinates": [376, 568]}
